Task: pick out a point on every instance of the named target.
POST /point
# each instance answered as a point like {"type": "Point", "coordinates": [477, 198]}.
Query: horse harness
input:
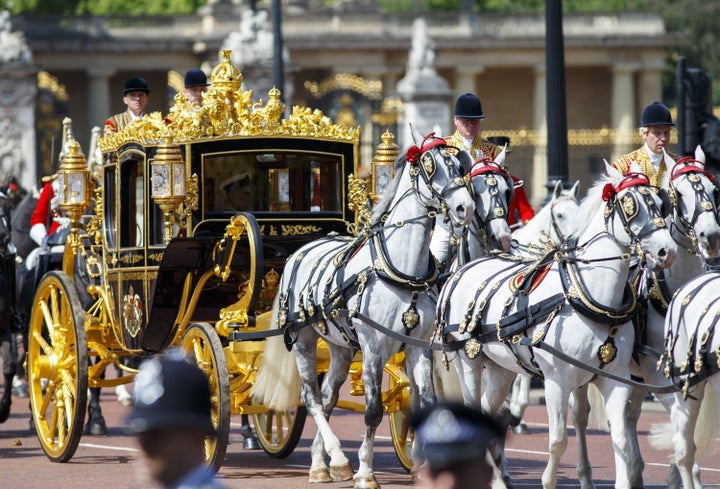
{"type": "Point", "coordinates": [524, 275]}
{"type": "Point", "coordinates": [322, 303]}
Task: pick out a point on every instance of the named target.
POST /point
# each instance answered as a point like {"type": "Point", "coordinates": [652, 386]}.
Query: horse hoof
{"type": "Point", "coordinates": [96, 427]}
{"type": "Point", "coordinates": [320, 474]}
{"type": "Point", "coordinates": [5, 410]}
{"type": "Point", "coordinates": [521, 429]}
{"type": "Point", "coordinates": [251, 443]}
{"type": "Point", "coordinates": [341, 472]}
{"type": "Point", "coordinates": [123, 396]}
{"type": "Point", "coordinates": [515, 420]}
{"type": "Point", "coordinates": [367, 483]}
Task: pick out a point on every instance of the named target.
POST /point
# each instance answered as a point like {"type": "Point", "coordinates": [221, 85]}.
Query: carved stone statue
{"type": "Point", "coordinates": [12, 44]}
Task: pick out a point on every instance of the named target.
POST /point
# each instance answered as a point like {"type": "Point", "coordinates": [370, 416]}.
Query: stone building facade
{"type": "Point", "coordinates": [351, 59]}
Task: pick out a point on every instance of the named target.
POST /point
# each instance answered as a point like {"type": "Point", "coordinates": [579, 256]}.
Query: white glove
{"type": "Point", "coordinates": [38, 233]}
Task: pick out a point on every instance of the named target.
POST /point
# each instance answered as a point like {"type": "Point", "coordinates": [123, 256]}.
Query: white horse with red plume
{"type": "Point", "coordinates": [565, 316]}
{"type": "Point", "coordinates": [371, 293]}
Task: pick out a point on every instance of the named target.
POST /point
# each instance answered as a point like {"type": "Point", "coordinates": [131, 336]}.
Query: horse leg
{"type": "Point", "coordinates": [580, 417]}
{"type": "Point", "coordinates": [617, 398]}
{"type": "Point", "coordinates": [556, 398]}
{"type": "Point", "coordinates": [519, 400]}
{"type": "Point", "coordinates": [96, 421]}
{"type": "Point", "coordinates": [683, 418]}
{"type": "Point", "coordinates": [372, 377]}
{"type": "Point", "coordinates": [494, 394]}
{"type": "Point", "coordinates": [306, 359]}
{"type": "Point", "coordinates": [250, 441]}
{"type": "Point", "coordinates": [8, 353]}
{"type": "Point", "coordinates": [637, 464]}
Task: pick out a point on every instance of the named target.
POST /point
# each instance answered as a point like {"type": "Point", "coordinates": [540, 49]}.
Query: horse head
{"type": "Point", "coordinates": [441, 172]}
{"type": "Point", "coordinates": [493, 189]}
{"type": "Point", "coordinates": [694, 198]}
{"type": "Point", "coordinates": [633, 216]}
{"type": "Point", "coordinates": [564, 206]}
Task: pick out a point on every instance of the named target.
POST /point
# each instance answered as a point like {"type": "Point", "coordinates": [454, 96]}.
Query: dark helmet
{"type": "Point", "coordinates": [656, 114]}
{"type": "Point", "coordinates": [448, 433]}
{"type": "Point", "coordinates": [469, 107]}
{"type": "Point", "coordinates": [170, 391]}
{"type": "Point", "coordinates": [195, 77]}
{"type": "Point", "coordinates": [136, 84]}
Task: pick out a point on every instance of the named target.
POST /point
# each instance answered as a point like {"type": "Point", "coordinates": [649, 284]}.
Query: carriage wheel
{"type": "Point", "coordinates": [202, 342]}
{"type": "Point", "coordinates": [399, 418]}
{"type": "Point", "coordinates": [57, 366]}
{"type": "Point", "coordinates": [280, 432]}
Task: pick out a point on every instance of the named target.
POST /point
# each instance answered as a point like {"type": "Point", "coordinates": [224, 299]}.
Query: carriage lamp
{"type": "Point", "coordinates": [168, 182]}
{"type": "Point", "coordinates": [73, 180]}
{"type": "Point", "coordinates": [383, 165]}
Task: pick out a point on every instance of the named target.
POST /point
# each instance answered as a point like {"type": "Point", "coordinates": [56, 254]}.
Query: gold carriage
{"type": "Point", "coordinates": [166, 260]}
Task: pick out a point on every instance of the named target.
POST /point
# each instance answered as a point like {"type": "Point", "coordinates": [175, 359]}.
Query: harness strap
{"type": "Point", "coordinates": [659, 389]}
{"type": "Point", "coordinates": [513, 324]}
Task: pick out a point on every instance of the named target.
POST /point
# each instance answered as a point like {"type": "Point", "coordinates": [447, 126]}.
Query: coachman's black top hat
{"type": "Point", "coordinates": [450, 433]}
{"type": "Point", "coordinates": [170, 392]}
{"type": "Point", "coordinates": [469, 107]}
{"type": "Point", "coordinates": [656, 114]}
{"type": "Point", "coordinates": [136, 84]}
{"type": "Point", "coordinates": [195, 77]}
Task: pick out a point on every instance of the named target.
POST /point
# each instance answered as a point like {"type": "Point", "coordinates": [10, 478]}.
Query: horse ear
{"type": "Point", "coordinates": [465, 160]}
{"type": "Point", "coordinates": [500, 159]}
{"type": "Point", "coordinates": [700, 154]}
{"type": "Point", "coordinates": [635, 167]}
{"type": "Point", "coordinates": [575, 189]}
{"type": "Point", "coordinates": [417, 137]}
{"type": "Point", "coordinates": [558, 189]}
{"type": "Point", "coordinates": [669, 161]}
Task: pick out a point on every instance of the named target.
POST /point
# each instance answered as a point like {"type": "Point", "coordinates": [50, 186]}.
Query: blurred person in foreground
{"type": "Point", "coordinates": [171, 419]}
{"type": "Point", "coordinates": [451, 447]}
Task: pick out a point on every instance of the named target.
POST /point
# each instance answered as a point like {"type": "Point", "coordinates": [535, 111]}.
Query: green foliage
{"type": "Point", "coordinates": [106, 7]}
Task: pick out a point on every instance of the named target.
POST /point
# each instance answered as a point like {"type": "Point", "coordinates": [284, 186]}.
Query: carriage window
{"type": "Point", "coordinates": [132, 192]}
{"type": "Point", "coordinates": [109, 208]}
{"type": "Point", "coordinates": [288, 181]}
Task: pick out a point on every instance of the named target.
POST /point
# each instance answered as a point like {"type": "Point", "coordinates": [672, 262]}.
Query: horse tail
{"type": "Point", "coordinates": [278, 381]}
{"type": "Point", "coordinates": [708, 424]}
{"type": "Point", "coordinates": [597, 408]}
{"type": "Point", "coordinates": [706, 427]}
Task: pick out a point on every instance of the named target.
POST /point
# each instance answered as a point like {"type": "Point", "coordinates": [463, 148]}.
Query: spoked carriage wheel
{"type": "Point", "coordinates": [203, 344]}
{"type": "Point", "coordinates": [280, 432]}
{"type": "Point", "coordinates": [57, 366]}
{"type": "Point", "coordinates": [399, 418]}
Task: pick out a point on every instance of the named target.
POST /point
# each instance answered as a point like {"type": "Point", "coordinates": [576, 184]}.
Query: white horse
{"type": "Point", "coordinates": [492, 188]}
{"type": "Point", "coordinates": [560, 316]}
{"type": "Point", "coordinates": [371, 293]}
{"type": "Point", "coordinates": [550, 226]}
{"type": "Point", "coordinates": [691, 359]}
{"type": "Point", "coordinates": [693, 223]}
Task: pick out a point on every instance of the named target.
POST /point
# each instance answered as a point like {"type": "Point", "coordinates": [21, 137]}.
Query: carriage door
{"type": "Point", "coordinates": [131, 269]}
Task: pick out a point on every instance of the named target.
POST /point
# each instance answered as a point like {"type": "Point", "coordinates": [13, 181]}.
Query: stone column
{"type": "Point", "coordinates": [465, 81]}
{"type": "Point", "coordinates": [540, 164]}
{"type": "Point", "coordinates": [650, 82]}
{"type": "Point", "coordinates": [99, 96]}
{"type": "Point", "coordinates": [623, 107]}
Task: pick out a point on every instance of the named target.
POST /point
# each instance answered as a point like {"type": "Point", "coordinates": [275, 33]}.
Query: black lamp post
{"type": "Point", "coordinates": [557, 148]}
{"type": "Point", "coordinates": [278, 63]}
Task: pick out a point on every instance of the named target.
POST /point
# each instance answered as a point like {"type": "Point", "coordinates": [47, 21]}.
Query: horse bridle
{"type": "Point", "coordinates": [636, 184]}
{"type": "Point", "coordinates": [426, 168]}
{"type": "Point", "coordinates": [491, 171]}
{"type": "Point", "coordinates": [703, 202]}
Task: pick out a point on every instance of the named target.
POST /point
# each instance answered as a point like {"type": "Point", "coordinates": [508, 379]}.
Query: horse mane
{"type": "Point", "coordinates": [540, 221]}
{"type": "Point", "coordinates": [590, 204]}
{"type": "Point", "coordinates": [384, 204]}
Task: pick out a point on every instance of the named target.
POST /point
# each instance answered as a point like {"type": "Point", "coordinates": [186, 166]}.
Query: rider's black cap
{"type": "Point", "coordinates": [448, 433]}
{"type": "Point", "coordinates": [170, 391]}
{"type": "Point", "coordinates": [195, 77]}
{"type": "Point", "coordinates": [136, 84]}
{"type": "Point", "coordinates": [468, 106]}
{"type": "Point", "coordinates": [656, 114]}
